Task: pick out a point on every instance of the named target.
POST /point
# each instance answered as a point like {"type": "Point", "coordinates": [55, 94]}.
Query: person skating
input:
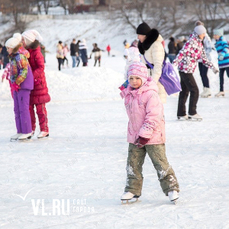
{"type": "Point", "coordinates": [187, 60]}
{"type": "Point", "coordinates": [202, 68]}
{"type": "Point", "coordinates": [146, 134]}
{"type": "Point", "coordinates": [83, 52]}
{"type": "Point", "coordinates": [60, 54]}
{"type": "Point", "coordinates": [39, 95]}
{"type": "Point", "coordinates": [97, 54]}
{"type": "Point", "coordinates": [73, 52]}
{"type": "Point", "coordinates": [222, 49]}
{"type": "Point", "coordinates": [150, 45]}
{"type": "Point", "coordinates": [21, 79]}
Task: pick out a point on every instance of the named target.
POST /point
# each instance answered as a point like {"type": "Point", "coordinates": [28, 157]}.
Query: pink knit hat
{"type": "Point", "coordinates": [138, 69]}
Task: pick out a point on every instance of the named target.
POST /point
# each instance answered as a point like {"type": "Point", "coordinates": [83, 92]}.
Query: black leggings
{"type": "Point", "coordinates": [60, 62]}
{"type": "Point", "coordinates": [65, 58]}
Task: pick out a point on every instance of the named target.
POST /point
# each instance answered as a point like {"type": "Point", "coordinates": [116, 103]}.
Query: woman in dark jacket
{"type": "Point", "coordinates": [172, 49]}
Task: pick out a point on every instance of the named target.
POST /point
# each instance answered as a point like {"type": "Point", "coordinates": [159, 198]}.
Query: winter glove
{"type": "Point", "coordinates": [140, 142]}
{"type": "Point", "coordinates": [221, 56]}
{"type": "Point", "coordinates": [15, 87]}
{"type": "Point", "coordinates": [215, 70]}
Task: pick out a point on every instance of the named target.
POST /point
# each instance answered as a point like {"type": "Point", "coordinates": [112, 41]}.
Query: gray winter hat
{"type": "Point", "coordinates": [218, 32]}
{"type": "Point", "coordinates": [200, 29]}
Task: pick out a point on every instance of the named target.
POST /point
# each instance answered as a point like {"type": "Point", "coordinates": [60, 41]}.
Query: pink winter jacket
{"type": "Point", "coordinates": [145, 112]}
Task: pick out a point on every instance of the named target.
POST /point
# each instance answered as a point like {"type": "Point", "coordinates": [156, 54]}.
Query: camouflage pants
{"type": "Point", "coordinates": [135, 160]}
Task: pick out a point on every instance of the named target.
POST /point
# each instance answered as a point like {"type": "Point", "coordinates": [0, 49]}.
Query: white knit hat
{"type": "Point", "coordinates": [18, 37]}
{"type": "Point", "coordinates": [32, 35]}
{"type": "Point", "coordinates": [12, 42]}
{"type": "Point", "coordinates": [200, 29]}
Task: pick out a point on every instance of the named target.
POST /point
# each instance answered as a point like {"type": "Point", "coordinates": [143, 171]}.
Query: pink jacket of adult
{"type": "Point", "coordinates": [145, 112]}
{"type": "Point", "coordinates": [39, 94]}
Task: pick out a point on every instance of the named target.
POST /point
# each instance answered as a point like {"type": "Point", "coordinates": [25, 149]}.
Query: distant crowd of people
{"type": "Point", "coordinates": [79, 53]}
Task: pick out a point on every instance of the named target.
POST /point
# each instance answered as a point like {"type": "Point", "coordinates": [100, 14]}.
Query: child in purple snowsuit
{"type": "Point", "coordinates": [22, 82]}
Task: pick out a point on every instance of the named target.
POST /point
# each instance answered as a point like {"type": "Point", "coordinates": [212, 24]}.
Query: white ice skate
{"type": "Point", "coordinates": [221, 93]}
{"type": "Point", "coordinates": [15, 137]}
{"type": "Point", "coordinates": [182, 118]}
{"type": "Point", "coordinates": [127, 196]}
{"type": "Point", "coordinates": [25, 136]}
{"type": "Point", "coordinates": [173, 196]}
{"type": "Point", "coordinates": [206, 93]}
{"type": "Point", "coordinates": [43, 134]}
{"type": "Point", "coordinates": [195, 117]}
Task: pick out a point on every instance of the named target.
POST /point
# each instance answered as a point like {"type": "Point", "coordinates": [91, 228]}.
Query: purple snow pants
{"type": "Point", "coordinates": [21, 111]}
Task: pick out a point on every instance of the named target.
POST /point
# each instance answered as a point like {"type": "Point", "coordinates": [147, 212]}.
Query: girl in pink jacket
{"type": "Point", "coordinates": [146, 133]}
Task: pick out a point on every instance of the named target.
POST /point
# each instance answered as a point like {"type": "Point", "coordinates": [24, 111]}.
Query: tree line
{"type": "Point", "coordinates": [161, 14]}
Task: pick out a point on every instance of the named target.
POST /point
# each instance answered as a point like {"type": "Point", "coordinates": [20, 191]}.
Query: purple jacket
{"type": "Point", "coordinates": [20, 71]}
{"type": "Point", "coordinates": [145, 112]}
{"type": "Point", "coordinates": [28, 83]}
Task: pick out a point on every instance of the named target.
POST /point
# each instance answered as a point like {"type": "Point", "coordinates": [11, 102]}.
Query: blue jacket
{"type": "Point", "coordinates": [222, 48]}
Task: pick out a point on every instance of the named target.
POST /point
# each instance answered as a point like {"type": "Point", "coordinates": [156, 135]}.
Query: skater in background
{"type": "Point", "coordinates": [172, 49]}
{"type": "Point", "coordinates": [60, 54]}
{"type": "Point", "coordinates": [222, 49]}
{"type": "Point", "coordinates": [132, 54]}
{"type": "Point", "coordinates": [108, 48]}
{"type": "Point", "coordinates": [187, 60]}
{"type": "Point", "coordinates": [73, 52]}
{"type": "Point", "coordinates": [65, 53]}
{"type": "Point", "coordinates": [1, 57]}
{"type": "Point", "coordinates": [202, 68]}
{"type": "Point", "coordinates": [39, 95]}
{"type": "Point", "coordinates": [43, 51]}
{"type": "Point", "coordinates": [83, 52]}
{"type": "Point", "coordinates": [180, 43]}
{"type": "Point", "coordinates": [97, 54]}
{"type": "Point", "coordinates": [21, 79]}
{"type": "Point", "coordinates": [77, 54]}
{"type": "Point", "coordinates": [146, 134]}
{"type": "Point", "coordinates": [151, 47]}
{"type": "Point", "coordinates": [5, 56]}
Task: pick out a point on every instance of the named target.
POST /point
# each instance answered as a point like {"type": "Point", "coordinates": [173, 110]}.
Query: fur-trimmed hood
{"type": "Point", "coordinates": [151, 37]}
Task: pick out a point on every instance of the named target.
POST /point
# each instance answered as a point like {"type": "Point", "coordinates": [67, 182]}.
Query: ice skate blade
{"type": "Point", "coordinates": [175, 201]}
{"type": "Point", "coordinates": [206, 96]}
{"type": "Point", "coordinates": [25, 139]}
{"type": "Point", "coordinates": [43, 137]}
{"type": "Point", "coordinates": [195, 119]}
{"type": "Point", "coordinates": [131, 201]}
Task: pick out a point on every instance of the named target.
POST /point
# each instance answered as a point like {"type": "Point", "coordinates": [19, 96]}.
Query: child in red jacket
{"type": "Point", "coordinates": [39, 96]}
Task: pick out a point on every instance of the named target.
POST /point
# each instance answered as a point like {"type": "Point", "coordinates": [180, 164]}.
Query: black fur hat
{"type": "Point", "coordinates": [143, 29]}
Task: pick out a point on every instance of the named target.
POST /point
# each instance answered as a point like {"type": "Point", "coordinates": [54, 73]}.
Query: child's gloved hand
{"type": "Point", "coordinates": [15, 87]}
{"type": "Point", "coordinates": [215, 70]}
{"type": "Point", "coordinates": [140, 142]}
{"type": "Point", "coordinates": [221, 56]}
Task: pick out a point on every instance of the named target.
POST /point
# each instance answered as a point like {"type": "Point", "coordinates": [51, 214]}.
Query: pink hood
{"type": "Point", "coordinates": [145, 112]}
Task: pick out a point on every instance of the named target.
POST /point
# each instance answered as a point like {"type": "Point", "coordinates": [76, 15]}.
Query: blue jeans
{"type": "Point", "coordinates": [73, 61]}
{"type": "Point", "coordinates": [171, 57]}
{"type": "Point", "coordinates": [203, 73]}
{"type": "Point", "coordinates": [221, 77]}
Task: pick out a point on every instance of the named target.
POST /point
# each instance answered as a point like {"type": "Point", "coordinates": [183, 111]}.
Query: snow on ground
{"type": "Point", "coordinates": [74, 179]}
